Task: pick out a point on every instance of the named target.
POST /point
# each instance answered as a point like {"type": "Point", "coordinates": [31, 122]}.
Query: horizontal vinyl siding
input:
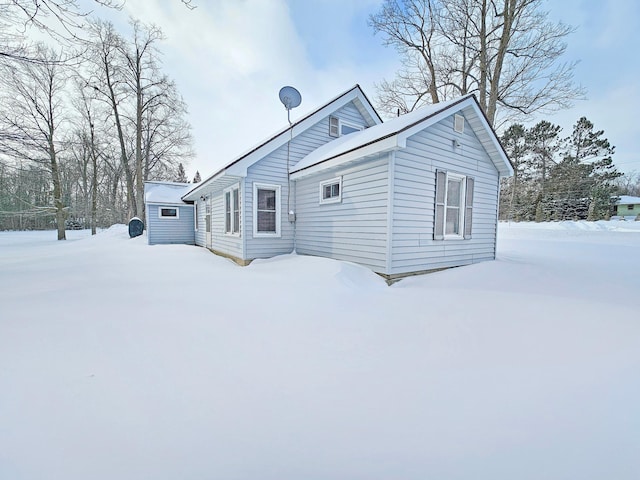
{"type": "Point", "coordinates": [220, 241]}
{"type": "Point", "coordinates": [353, 230]}
{"type": "Point", "coordinates": [170, 230]}
{"type": "Point", "coordinates": [272, 170]}
{"type": "Point", "coordinates": [413, 247]}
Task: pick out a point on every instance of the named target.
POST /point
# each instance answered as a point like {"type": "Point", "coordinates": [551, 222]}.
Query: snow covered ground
{"type": "Point", "coordinates": [123, 361]}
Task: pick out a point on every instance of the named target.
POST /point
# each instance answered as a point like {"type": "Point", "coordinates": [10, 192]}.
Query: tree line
{"type": "Point", "coordinates": [83, 124]}
{"type": "Point", "coordinates": [558, 178]}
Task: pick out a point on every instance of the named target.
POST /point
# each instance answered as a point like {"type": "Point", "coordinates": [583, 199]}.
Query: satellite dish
{"type": "Point", "coordinates": [290, 97]}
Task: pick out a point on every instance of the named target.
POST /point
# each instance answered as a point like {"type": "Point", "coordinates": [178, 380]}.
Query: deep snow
{"type": "Point", "coordinates": [120, 360]}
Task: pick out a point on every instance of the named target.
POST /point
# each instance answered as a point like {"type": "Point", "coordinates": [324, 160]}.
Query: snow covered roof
{"type": "Point", "coordinates": [238, 167]}
{"type": "Point", "coordinates": [627, 200]}
{"type": "Point", "coordinates": [165, 192]}
{"type": "Point", "coordinates": [393, 134]}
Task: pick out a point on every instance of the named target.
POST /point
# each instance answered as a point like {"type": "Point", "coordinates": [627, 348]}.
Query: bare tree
{"type": "Point", "coordinates": [34, 115]}
{"type": "Point", "coordinates": [147, 113]}
{"type": "Point", "coordinates": [507, 52]}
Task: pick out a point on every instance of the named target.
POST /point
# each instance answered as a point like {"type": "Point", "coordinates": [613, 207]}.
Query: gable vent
{"type": "Point", "coordinates": [334, 127]}
{"type": "Point", "coordinates": [458, 123]}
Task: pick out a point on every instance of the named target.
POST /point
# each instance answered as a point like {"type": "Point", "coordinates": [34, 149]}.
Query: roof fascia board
{"type": "Point", "coordinates": [385, 145]}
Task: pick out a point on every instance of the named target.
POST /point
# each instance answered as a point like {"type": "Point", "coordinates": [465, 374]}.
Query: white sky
{"type": "Point", "coordinates": [231, 57]}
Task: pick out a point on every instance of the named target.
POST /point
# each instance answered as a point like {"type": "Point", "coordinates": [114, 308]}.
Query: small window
{"type": "Point", "coordinates": [458, 123]}
{"type": "Point", "coordinates": [630, 207]}
{"type": "Point", "coordinates": [338, 127]}
{"type": "Point", "coordinates": [331, 190]}
{"type": "Point", "coordinates": [266, 211]}
{"type": "Point", "coordinates": [168, 212]}
{"type": "Point", "coordinates": [347, 128]}
{"type": "Point", "coordinates": [232, 211]}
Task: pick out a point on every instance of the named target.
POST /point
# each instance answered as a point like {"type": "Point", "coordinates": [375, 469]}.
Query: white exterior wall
{"type": "Point", "coordinates": [272, 169]}
{"type": "Point", "coordinates": [412, 245]}
{"type": "Point", "coordinates": [355, 229]}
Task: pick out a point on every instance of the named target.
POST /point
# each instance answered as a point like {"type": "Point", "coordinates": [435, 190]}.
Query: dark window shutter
{"type": "Point", "coordinates": [468, 208]}
{"type": "Point", "coordinates": [438, 227]}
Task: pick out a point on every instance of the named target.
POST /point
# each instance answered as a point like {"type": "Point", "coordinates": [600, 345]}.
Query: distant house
{"type": "Point", "coordinates": [627, 206]}
{"type": "Point", "coordinates": [413, 194]}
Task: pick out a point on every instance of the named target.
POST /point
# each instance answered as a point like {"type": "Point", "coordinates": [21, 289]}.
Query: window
{"type": "Point", "coordinates": [266, 211]}
{"type": "Point", "coordinates": [454, 206]}
{"type": "Point", "coordinates": [168, 212]}
{"type": "Point", "coordinates": [630, 207]}
{"type": "Point", "coordinates": [331, 190]}
{"type": "Point", "coordinates": [232, 211]}
{"type": "Point", "coordinates": [458, 123]}
{"type": "Point", "coordinates": [338, 127]}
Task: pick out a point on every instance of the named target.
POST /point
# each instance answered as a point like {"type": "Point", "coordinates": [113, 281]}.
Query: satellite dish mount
{"type": "Point", "coordinates": [290, 98]}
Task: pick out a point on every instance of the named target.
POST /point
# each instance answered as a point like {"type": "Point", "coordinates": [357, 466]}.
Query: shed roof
{"type": "Point", "coordinates": [165, 192]}
{"type": "Point", "coordinates": [393, 134]}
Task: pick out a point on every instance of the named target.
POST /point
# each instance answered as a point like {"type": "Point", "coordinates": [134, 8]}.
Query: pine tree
{"type": "Point", "coordinates": [197, 178]}
{"type": "Point", "coordinates": [181, 176]}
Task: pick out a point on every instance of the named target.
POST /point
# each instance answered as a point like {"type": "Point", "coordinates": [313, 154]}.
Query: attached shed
{"type": "Point", "coordinates": [168, 219]}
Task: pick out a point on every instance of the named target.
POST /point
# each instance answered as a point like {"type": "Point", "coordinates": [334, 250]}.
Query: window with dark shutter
{"type": "Point", "coordinates": [468, 208]}
{"type": "Point", "coordinates": [438, 228]}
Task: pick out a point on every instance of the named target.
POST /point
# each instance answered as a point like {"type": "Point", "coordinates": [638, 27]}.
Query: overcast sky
{"type": "Point", "coordinates": [231, 57]}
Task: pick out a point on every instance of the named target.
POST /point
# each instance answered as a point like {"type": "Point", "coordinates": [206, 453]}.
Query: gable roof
{"type": "Point", "coordinates": [238, 167]}
{"type": "Point", "coordinates": [393, 134]}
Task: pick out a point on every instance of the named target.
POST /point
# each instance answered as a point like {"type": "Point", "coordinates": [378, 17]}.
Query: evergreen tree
{"type": "Point", "coordinates": [197, 178]}
{"type": "Point", "coordinates": [514, 142]}
{"type": "Point", "coordinates": [593, 153]}
{"type": "Point", "coordinates": [181, 175]}
{"type": "Point", "coordinates": [544, 143]}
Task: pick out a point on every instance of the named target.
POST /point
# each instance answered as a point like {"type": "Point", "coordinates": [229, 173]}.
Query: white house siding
{"type": "Point", "coordinates": [272, 169]}
{"type": "Point", "coordinates": [170, 230]}
{"type": "Point", "coordinates": [413, 248]}
{"type": "Point", "coordinates": [354, 229]}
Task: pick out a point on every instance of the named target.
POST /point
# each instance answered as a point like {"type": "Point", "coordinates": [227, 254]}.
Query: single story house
{"type": "Point", "coordinates": [416, 193]}
{"type": "Point", "coordinates": [627, 207]}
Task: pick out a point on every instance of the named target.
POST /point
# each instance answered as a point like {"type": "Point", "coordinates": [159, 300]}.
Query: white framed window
{"type": "Point", "coordinates": [232, 210]}
{"type": "Point", "coordinates": [339, 127]}
{"type": "Point", "coordinates": [168, 212]}
{"type": "Point", "coordinates": [458, 123]}
{"type": "Point", "coordinates": [331, 190]}
{"type": "Point", "coordinates": [453, 206]}
{"type": "Point", "coordinates": [266, 210]}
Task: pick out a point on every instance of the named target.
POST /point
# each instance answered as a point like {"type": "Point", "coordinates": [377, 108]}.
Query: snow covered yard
{"type": "Point", "coordinates": [123, 361]}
